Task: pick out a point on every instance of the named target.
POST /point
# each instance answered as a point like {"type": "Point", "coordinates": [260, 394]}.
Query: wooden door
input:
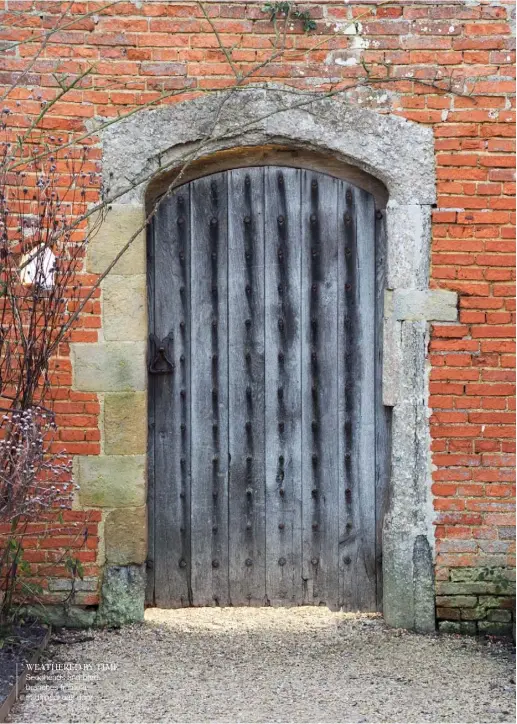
{"type": "Point", "coordinates": [264, 475]}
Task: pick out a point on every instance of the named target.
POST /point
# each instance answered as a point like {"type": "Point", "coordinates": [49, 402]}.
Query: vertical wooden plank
{"type": "Point", "coordinates": [209, 391]}
{"type": "Point", "coordinates": [346, 267]}
{"type": "Point", "coordinates": [171, 411]}
{"type": "Point", "coordinates": [246, 386]}
{"type": "Point", "coordinates": [357, 399]}
{"type": "Point", "coordinates": [365, 217]}
{"type": "Point", "coordinates": [319, 389]}
{"type": "Point", "coordinates": [282, 392]}
{"type": "Point", "coordinates": [151, 553]}
{"type": "Point", "coordinates": [382, 413]}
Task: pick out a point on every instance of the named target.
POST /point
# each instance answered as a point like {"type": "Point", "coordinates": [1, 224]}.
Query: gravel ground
{"type": "Point", "coordinates": [271, 665]}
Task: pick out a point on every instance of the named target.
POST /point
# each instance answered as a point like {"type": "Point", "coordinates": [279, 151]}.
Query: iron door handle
{"type": "Point", "coordinates": [160, 363]}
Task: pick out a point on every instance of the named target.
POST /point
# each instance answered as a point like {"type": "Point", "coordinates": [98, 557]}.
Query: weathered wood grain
{"type": "Point", "coordinates": [319, 389]}
{"type": "Point", "coordinates": [247, 527]}
{"type": "Point", "coordinates": [382, 413]}
{"type": "Point", "coordinates": [171, 413]}
{"type": "Point", "coordinates": [268, 442]}
{"type": "Point", "coordinates": [357, 400]}
{"type": "Point", "coordinates": [209, 390]}
{"type": "Point", "coordinates": [282, 217]}
{"type": "Point", "coordinates": [151, 552]}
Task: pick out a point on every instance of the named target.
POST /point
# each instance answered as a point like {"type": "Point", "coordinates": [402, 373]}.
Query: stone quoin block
{"type": "Point", "coordinates": [392, 360]}
{"type": "Point", "coordinates": [109, 367]}
{"type": "Point", "coordinates": [413, 305]}
{"type": "Point", "coordinates": [404, 337]}
{"type": "Point", "coordinates": [111, 481]}
{"type": "Point", "coordinates": [125, 423]}
{"type": "Point", "coordinates": [408, 228]}
{"type": "Point", "coordinates": [126, 536]}
{"type": "Point", "coordinates": [121, 222]}
{"type": "Point", "coordinates": [124, 308]}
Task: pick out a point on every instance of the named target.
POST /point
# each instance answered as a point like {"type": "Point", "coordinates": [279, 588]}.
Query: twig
{"type": "Point", "coordinates": [223, 48]}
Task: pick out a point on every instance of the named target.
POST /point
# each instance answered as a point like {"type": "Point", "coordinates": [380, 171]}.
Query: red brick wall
{"type": "Point", "coordinates": [140, 48]}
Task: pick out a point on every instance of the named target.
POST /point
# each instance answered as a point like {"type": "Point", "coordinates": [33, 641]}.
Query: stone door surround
{"type": "Point", "coordinates": [143, 149]}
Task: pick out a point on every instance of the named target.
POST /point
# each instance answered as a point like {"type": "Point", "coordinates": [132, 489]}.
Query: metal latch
{"type": "Point", "coordinates": [160, 363]}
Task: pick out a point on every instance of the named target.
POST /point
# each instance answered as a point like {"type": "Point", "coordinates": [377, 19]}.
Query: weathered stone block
{"type": "Point", "coordinates": [420, 305]}
{"type": "Point", "coordinates": [126, 536]}
{"type": "Point", "coordinates": [445, 588]}
{"type": "Point", "coordinates": [451, 627]}
{"type": "Point", "coordinates": [458, 627]}
{"type": "Point", "coordinates": [58, 615]}
{"type": "Point", "coordinates": [408, 227]}
{"type": "Point", "coordinates": [60, 584]}
{"type": "Point", "coordinates": [456, 601]}
{"type": "Point", "coordinates": [110, 366]}
{"type": "Point", "coordinates": [423, 586]}
{"type": "Point", "coordinates": [392, 361]}
{"type": "Point", "coordinates": [473, 614]}
{"type": "Point", "coordinates": [404, 362]}
{"type": "Point", "coordinates": [125, 423]}
{"type": "Point", "coordinates": [124, 309]}
{"type": "Point", "coordinates": [499, 575]}
{"type": "Point", "coordinates": [495, 628]}
{"type": "Point", "coordinates": [121, 222]}
{"type": "Point", "coordinates": [409, 471]}
{"type": "Point", "coordinates": [122, 596]}
{"type": "Point", "coordinates": [448, 613]}
{"type": "Point", "coordinates": [407, 566]}
{"type": "Point", "coordinates": [498, 615]}
{"type": "Point", "coordinates": [413, 343]}
{"type": "Point", "coordinates": [87, 584]}
{"type": "Point", "coordinates": [391, 148]}
{"type": "Point", "coordinates": [490, 601]}
{"type": "Point", "coordinates": [111, 481]}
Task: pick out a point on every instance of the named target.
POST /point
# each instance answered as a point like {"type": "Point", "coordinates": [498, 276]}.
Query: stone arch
{"type": "Point", "coordinates": [139, 153]}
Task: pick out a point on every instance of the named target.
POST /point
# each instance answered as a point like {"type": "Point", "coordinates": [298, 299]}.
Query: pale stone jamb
{"type": "Point", "coordinates": [116, 480]}
{"type": "Point", "coordinates": [124, 308]}
{"type": "Point", "coordinates": [414, 305]}
{"type": "Point", "coordinates": [397, 152]}
{"type": "Point", "coordinates": [125, 423]}
{"type": "Point", "coordinates": [407, 531]}
{"type": "Point", "coordinates": [111, 481]}
{"type": "Point", "coordinates": [111, 237]}
{"type": "Point", "coordinates": [109, 366]}
{"type": "Point", "coordinates": [126, 536]}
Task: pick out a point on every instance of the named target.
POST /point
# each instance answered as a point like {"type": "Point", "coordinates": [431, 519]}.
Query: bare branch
{"type": "Point", "coordinates": [223, 48]}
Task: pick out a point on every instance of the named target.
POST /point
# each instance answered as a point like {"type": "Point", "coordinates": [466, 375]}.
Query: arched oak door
{"type": "Point", "coordinates": [263, 392]}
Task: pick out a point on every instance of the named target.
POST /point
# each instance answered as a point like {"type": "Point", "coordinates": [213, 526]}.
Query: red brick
{"type": "Point", "coordinates": [487, 389]}
{"type": "Point", "coordinates": [449, 330]}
